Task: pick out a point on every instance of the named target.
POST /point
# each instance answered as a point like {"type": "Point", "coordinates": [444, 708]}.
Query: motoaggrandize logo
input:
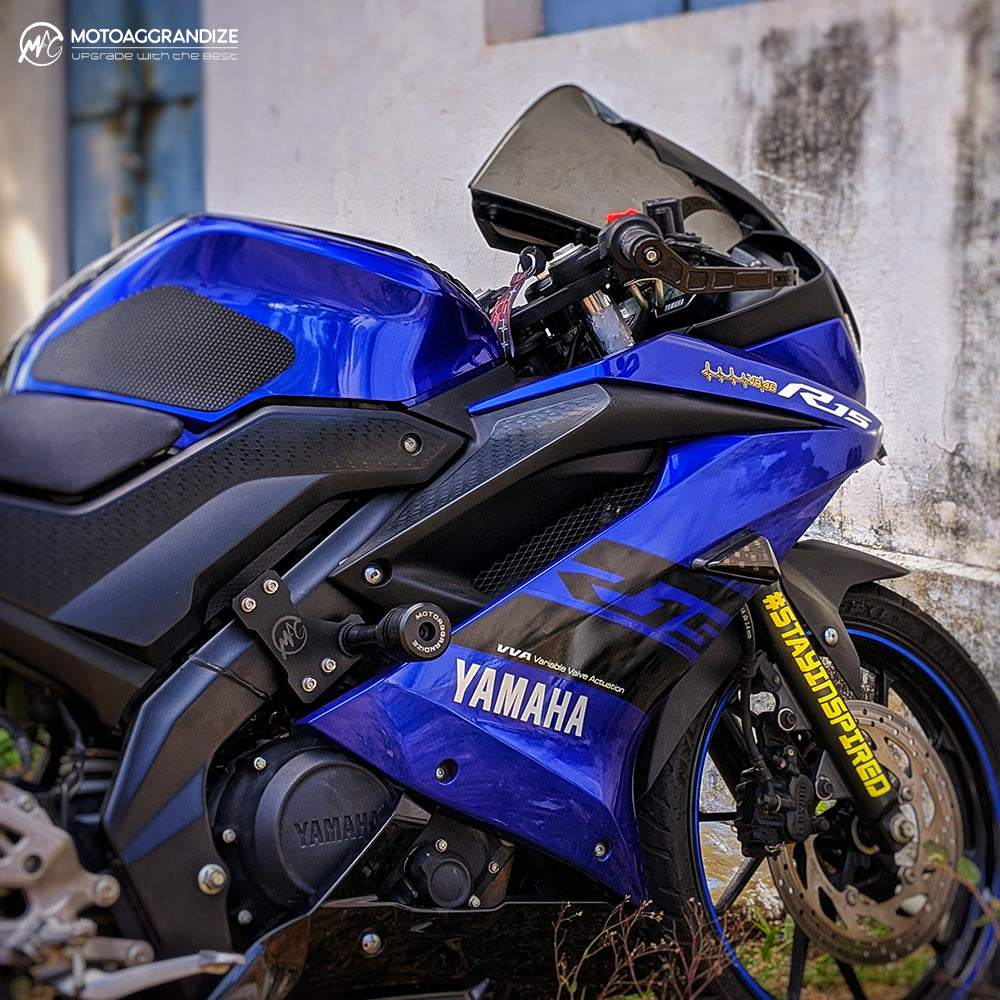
{"type": "Point", "coordinates": [41, 44]}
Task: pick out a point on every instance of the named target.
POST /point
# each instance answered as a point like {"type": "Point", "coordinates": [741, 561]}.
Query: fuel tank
{"type": "Point", "coordinates": [209, 314]}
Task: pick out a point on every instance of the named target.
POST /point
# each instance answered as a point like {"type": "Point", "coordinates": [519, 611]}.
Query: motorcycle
{"type": "Point", "coordinates": [350, 622]}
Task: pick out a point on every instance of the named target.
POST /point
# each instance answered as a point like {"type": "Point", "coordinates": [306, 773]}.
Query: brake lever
{"type": "Point", "coordinates": [635, 244]}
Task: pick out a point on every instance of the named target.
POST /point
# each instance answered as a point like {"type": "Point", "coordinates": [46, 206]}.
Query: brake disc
{"type": "Point", "coordinates": [867, 923]}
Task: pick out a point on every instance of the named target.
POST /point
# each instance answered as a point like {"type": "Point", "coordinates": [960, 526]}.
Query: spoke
{"type": "Point", "coordinates": [852, 981]}
{"type": "Point", "coordinates": [710, 817]}
{"type": "Point", "coordinates": [739, 882]}
{"type": "Point", "coordinates": [798, 966]}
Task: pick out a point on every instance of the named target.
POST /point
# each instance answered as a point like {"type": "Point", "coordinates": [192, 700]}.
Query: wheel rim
{"type": "Point", "coordinates": [895, 671]}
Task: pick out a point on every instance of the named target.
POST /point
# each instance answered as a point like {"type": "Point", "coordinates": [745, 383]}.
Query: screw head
{"type": "Point", "coordinates": [411, 444]}
{"type": "Point", "coordinates": [371, 943]}
{"type": "Point", "coordinates": [440, 773]}
{"type": "Point", "coordinates": [441, 845]}
{"type": "Point", "coordinates": [831, 636]}
{"type": "Point", "coordinates": [475, 902]}
{"type": "Point", "coordinates": [107, 890]}
{"type": "Point", "coordinates": [601, 849]}
{"type": "Point", "coordinates": [328, 665]}
{"type": "Point", "coordinates": [787, 719]}
{"type": "Point", "coordinates": [229, 834]}
{"type": "Point", "coordinates": [259, 763]}
{"type": "Point", "coordinates": [373, 575]}
{"type": "Point", "coordinates": [248, 604]}
{"type": "Point", "coordinates": [212, 879]}
{"type": "Point", "coordinates": [851, 896]}
{"type": "Point", "coordinates": [494, 867]}
{"type": "Point", "coordinates": [270, 586]}
{"type": "Point", "coordinates": [244, 917]}
{"type": "Point", "coordinates": [309, 684]}
{"type": "Point", "coordinates": [824, 787]}
{"type": "Point", "coordinates": [906, 794]}
{"type": "Point", "coordinates": [652, 255]}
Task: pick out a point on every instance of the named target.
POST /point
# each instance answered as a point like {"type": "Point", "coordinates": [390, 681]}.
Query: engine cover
{"type": "Point", "coordinates": [301, 812]}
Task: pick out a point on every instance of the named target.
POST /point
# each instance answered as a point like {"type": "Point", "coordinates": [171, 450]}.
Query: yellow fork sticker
{"type": "Point", "coordinates": [837, 714]}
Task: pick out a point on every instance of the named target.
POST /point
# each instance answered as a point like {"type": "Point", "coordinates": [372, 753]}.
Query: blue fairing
{"type": "Point", "coordinates": [367, 322]}
{"type": "Point", "coordinates": [567, 792]}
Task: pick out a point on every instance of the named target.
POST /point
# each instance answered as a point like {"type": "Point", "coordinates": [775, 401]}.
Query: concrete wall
{"type": "Point", "coordinates": [33, 235]}
{"type": "Point", "coordinates": [872, 127]}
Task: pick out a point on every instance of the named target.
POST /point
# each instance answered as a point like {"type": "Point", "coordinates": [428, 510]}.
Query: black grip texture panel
{"type": "Point", "coordinates": [167, 345]}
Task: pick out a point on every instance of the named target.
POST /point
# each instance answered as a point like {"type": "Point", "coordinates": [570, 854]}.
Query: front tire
{"type": "Point", "coordinates": [912, 666]}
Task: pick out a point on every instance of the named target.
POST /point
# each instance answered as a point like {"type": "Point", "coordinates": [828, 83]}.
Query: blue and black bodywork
{"type": "Point", "coordinates": [226, 398]}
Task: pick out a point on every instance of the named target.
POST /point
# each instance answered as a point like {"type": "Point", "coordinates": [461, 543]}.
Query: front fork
{"type": "Point", "coordinates": [831, 721]}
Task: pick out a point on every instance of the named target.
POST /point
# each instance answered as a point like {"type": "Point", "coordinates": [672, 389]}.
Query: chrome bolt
{"type": "Point", "coordinates": [440, 773]}
{"type": "Point", "coordinates": [652, 255]}
{"type": "Point", "coordinates": [411, 444]}
{"type": "Point", "coordinates": [328, 665]}
{"type": "Point", "coordinates": [494, 867]}
{"type": "Point", "coordinates": [373, 575]}
{"type": "Point", "coordinates": [259, 763]}
{"type": "Point", "coordinates": [212, 879]}
{"type": "Point", "coordinates": [309, 684]}
{"type": "Point", "coordinates": [441, 845]}
{"type": "Point", "coordinates": [139, 954]}
{"type": "Point", "coordinates": [851, 896]}
{"type": "Point", "coordinates": [601, 849]}
{"type": "Point", "coordinates": [107, 890]}
{"type": "Point", "coordinates": [906, 794]}
{"type": "Point", "coordinates": [831, 636]}
{"type": "Point", "coordinates": [787, 719]}
{"type": "Point", "coordinates": [475, 902]}
{"type": "Point", "coordinates": [371, 943]}
{"type": "Point", "coordinates": [270, 586]}
{"type": "Point", "coordinates": [244, 917]}
{"type": "Point", "coordinates": [229, 834]}
{"type": "Point", "coordinates": [248, 604]}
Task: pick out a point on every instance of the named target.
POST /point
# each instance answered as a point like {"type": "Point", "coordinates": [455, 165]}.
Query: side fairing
{"type": "Point", "coordinates": [535, 714]}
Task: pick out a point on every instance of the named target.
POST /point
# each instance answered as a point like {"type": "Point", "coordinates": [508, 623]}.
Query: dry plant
{"type": "Point", "coordinates": [642, 955]}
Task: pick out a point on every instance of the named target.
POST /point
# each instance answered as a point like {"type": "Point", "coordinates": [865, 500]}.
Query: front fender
{"type": "Point", "coordinates": [815, 577]}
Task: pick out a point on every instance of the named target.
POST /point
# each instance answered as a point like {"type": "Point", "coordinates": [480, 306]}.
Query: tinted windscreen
{"type": "Point", "coordinates": [565, 156]}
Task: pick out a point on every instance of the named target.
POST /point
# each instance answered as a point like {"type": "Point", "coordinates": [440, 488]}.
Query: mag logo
{"type": "Point", "coordinates": [41, 44]}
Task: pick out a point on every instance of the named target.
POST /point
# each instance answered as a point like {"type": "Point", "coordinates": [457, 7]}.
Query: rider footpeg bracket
{"type": "Point", "coordinates": [307, 649]}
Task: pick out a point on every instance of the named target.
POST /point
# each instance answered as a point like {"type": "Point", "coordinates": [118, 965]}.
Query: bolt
{"type": "Point", "coordinates": [601, 849]}
{"type": "Point", "coordinates": [475, 902]}
{"type": "Point", "coordinates": [786, 719]}
{"type": "Point", "coordinates": [32, 864]}
{"type": "Point", "coordinates": [831, 636]}
{"type": "Point", "coordinates": [248, 604]}
{"type": "Point", "coordinates": [824, 787]}
{"type": "Point", "coordinates": [909, 876]}
{"type": "Point", "coordinates": [229, 834]}
{"type": "Point", "coordinates": [906, 794]}
{"type": "Point", "coordinates": [371, 943]}
{"type": "Point", "coordinates": [440, 773]}
{"type": "Point", "coordinates": [107, 890]}
{"type": "Point", "coordinates": [270, 586]}
{"type": "Point", "coordinates": [903, 829]}
{"type": "Point", "coordinates": [308, 684]}
{"type": "Point", "coordinates": [25, 803]}
{"type": "Point", "coordinates": [212, 879]}
{"type": "Point", "coordinates": [851, 896]}
{"type": "Point", "coordinates": [139, 954]}
{"type": "Point", "coordinates": [411, 444]}
{"type": "Point", "coordinates": [328, 665]}
{"type": "Point", "coordinates": [244, 917]}
{"type": "Point", "coordinates": [373, 575]}
{"type": "Point", "coordinates": [441, 845]}
{"type": "Point", "coordinates": [259, 763]}
{"type": "Point", "coordinates": [494, 867]}
{"type": "Point", "coordinates": [652, 255]}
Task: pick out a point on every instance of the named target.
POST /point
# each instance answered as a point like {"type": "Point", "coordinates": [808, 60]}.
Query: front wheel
{"type": "Point", "coordinates": [832, 917]}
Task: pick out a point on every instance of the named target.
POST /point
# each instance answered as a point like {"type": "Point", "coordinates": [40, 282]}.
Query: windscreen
{"type": "Point", "coordinates": [571, 156]}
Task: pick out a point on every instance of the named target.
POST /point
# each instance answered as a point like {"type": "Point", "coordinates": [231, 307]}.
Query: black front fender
{"type": "Point", "coordinates": [815, 577]}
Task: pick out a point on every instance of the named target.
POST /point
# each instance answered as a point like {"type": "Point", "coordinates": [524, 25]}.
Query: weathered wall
{"type": "Point", "coordinates": [871, 126]}
{"type": "Point", "coordinates": [32, 169]}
